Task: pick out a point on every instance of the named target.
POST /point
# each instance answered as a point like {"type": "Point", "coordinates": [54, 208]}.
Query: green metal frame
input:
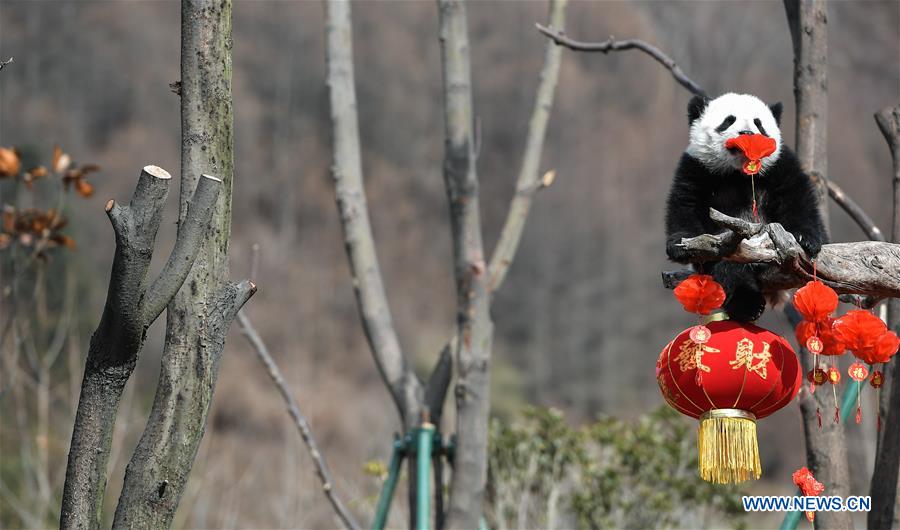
{"type": "Point", "coordinates": [423, 440]}
{"type": "Point", "coordinates": [848, 404]}
{"type": "Point", "coordinates": [387, 491]}
{"type": "Point", "coordinates": [424, 435]}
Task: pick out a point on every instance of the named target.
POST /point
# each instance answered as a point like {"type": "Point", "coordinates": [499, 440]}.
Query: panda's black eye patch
{"type": "Point", "coordinates": [759, 126]}
{"type": "Point", "coordinates": [726, 123]}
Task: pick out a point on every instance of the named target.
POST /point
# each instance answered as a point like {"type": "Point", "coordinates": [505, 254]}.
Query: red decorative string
{"type": "Point", "coordinates": [819, 417]}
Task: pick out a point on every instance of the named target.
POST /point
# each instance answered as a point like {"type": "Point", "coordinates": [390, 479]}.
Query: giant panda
{"type": "Point", "coordinates": [710, 175]}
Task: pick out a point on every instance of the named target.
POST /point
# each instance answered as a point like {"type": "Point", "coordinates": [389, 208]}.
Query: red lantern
{"type": "Point", "coordinates": [755, 147]}
{"type": "Point", "coordinates": [747, 374]}
{"type": "Point", "coordinates": [877, 379]}
{"type": "Point", "coordinates": [807, 331]}
{"type": "Point", "coordinates": [866, 336]}
{"type": "Point", "coordinates": [700, 293]}
{"type": "Point", "coordinates": [815, 301]}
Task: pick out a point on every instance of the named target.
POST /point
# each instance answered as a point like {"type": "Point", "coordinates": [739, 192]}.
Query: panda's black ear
{"type": "Point", "coordinates": [776, 109]}
{"type": "Point", "coordinates": [695, 108]}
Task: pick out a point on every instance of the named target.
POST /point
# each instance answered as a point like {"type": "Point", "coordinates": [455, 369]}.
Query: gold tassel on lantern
{"type": "Point", "coordinates": [728, 450]}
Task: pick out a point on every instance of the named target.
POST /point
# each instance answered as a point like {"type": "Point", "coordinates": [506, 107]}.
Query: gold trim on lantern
{"type": "Point", "coordinates": [727, 413]}
{"type": "Point", "coordinates": [716, 316]}
{"type": "Point", "coordinates": [729, 453]}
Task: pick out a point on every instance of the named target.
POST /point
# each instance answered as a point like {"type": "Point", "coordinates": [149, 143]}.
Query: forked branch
{"type": "Point", "coordinates": [117, 342]}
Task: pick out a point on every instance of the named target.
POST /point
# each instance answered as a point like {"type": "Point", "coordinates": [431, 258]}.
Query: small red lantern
{"type": "Point", "coordinates": [877, 379]}
{"type": "Point", "coordinates": [748, 373]}
{"type": "Point", "coordinates": [830, 345]}
{"type": "Point", "coordinates": [817, 376]}
{"type": "Point", "coordinates": [858, 372]}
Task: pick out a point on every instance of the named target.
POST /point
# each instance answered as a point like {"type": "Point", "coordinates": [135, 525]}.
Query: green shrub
{"type": "Point", "coordinates": [609, 474]}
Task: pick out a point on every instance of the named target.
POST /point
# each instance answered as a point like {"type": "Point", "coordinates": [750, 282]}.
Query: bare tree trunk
{"type": "Point", "coordinates": [474, 326]}
{"type": "Point", "coordinates": [885, 490]}
{"type": "Point", "coordinates": [826, 451]}
{"type": "Point", "coordinates": [200, 314]}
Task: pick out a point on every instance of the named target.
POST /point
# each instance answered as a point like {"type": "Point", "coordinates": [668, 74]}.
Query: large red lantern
{"type": "Point", "coordinates": [739, 373]}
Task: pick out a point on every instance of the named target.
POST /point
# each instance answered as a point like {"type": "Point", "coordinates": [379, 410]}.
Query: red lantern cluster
{"type": "Point", "coordinates": [865, 335]}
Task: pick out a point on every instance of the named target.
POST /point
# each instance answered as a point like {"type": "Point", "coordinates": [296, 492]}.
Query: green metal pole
{"type": "Point", "coordinates": [387, 492]}
{"type": "Point", "coordinates": [848, 401]}
{"type": "Point", "coordinates": [424, 435]}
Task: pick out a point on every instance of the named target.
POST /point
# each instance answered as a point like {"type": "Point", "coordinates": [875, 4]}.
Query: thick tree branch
{"type": "Point", "coordinates": [372, 303]}
{"type": "Point", "coordinates": [474, 326]}
{"type": "Point", "coordinates": [116, 344]}
{"type": "Point", "coordinates": [529, 182]}
{"type": "Point", "coordinates": [885, 485]}
{"type": "Point", "coordinates": [612, 45]}
{"type": "Point", "coordinates": [870, 268]}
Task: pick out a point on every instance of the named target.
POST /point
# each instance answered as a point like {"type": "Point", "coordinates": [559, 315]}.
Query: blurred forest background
{"type": "Point", "coordinates": [583, 315]}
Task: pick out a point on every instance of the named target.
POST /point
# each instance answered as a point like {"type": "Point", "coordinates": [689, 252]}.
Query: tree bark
{"type": "Point", "coordinates": [865, 268]}
{"type": "Point", "coordinates": [374, 311]}
{"type": "Point", "coordinates": [885, 490]}
{"type": "Point", "coordinates": [474, 326]}
{"type": "Point", "coordinates": [826, 451]}
{"type": "Point", "coordinates": [117, 342]}
{"type": "Point", "coordinates": [200, 314]}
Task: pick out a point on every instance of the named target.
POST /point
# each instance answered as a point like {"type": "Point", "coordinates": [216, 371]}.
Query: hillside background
{"type": "Point", "coordinates": [582, 316]}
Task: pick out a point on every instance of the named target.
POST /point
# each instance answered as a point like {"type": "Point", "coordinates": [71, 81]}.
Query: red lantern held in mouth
{"type": "Point", "coordinates": [754, 147]}
{"type": "Point", "coordinates": [748, 373]}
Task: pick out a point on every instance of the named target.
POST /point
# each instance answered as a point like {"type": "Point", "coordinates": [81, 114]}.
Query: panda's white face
{"type": "Point", "coordinates": [728, 116]}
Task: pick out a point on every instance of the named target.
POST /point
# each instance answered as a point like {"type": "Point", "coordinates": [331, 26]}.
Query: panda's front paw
{"type": "Point", "coordinates": [676, 251]}
{"type": "Point", "coordinates": [812, 247]}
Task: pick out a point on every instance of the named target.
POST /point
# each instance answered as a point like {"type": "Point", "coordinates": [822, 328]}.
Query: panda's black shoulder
{"type": "Point", "coordinates": [787, 172]}
{"type": "Point", "coordinates": [692, 170]}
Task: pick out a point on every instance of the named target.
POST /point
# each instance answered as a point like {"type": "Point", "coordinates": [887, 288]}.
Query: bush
{"type": "Point", "coordinates": [610, 474]}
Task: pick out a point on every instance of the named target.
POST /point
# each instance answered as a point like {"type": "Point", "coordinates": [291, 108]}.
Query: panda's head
{"type": "Point", "coordinates": [714, 121]}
